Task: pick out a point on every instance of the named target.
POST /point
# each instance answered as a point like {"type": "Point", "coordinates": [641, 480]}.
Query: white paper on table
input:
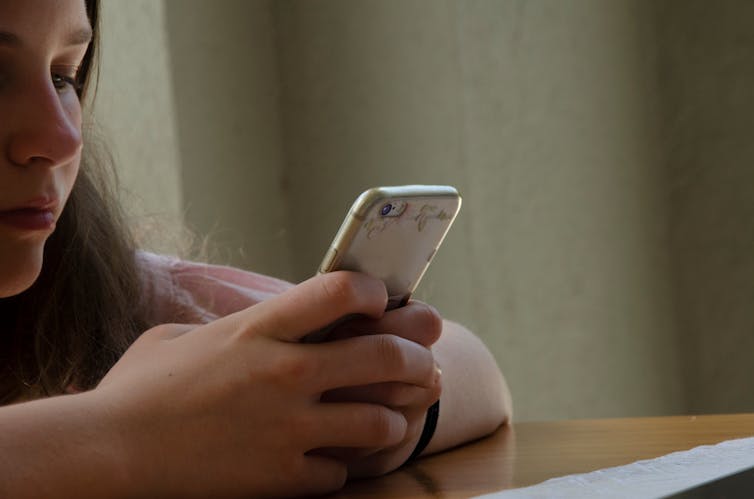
{"type": "Point", "coordinates": [650, 478]}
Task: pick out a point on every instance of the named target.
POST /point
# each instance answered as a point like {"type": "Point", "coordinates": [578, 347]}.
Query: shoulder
{"type": "Point", "coordinates": [177, 290]}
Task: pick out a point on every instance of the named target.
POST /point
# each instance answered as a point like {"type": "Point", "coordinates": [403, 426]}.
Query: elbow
{"type": "Point", "coordinates": [505, 406]}
{"type": "Point", "coordinates": [500, 410]}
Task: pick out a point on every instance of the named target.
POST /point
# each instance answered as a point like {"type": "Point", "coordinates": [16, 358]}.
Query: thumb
{"type": "Point", "coordinates": [312, 305]}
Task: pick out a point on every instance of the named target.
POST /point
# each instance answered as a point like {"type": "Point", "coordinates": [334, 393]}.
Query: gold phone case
{"type": "Point", "coordinates": [392, 233]}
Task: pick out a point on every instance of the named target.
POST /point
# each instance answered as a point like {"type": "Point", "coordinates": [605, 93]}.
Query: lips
{"type": "Point", "coordinates": [28, 218]}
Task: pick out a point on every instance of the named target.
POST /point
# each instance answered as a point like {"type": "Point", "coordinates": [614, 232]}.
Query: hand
{"type": "Point", "coordinates": [416, 322]}
{"type": "Point", "coordinates": [233, 407]}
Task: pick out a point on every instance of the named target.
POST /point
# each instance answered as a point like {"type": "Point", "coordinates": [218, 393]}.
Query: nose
{"type": "Point", "coordinates": [48, 128]}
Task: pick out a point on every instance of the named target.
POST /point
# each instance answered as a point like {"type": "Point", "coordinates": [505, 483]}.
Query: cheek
{"type": "Point", "coordinates": [70, 171]}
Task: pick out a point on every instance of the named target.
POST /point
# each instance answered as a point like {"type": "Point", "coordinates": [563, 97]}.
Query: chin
{"type": "Point", "coordinates": [18, 274]}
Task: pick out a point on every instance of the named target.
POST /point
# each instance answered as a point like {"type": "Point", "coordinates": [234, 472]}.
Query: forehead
{"type": "Point", "coordinates": [44, 21]}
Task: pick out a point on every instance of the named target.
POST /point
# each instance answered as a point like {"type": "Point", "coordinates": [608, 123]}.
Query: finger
{"type": "Point", "coordinates": [322, 475]}
{"type": "Point", "coordinates": [312, 305]}
{"type": "Point", "coordinates": [346, 453]}
{"type": "Point", "coordinates": [417, 321]}
{"type": "Point", "coordinates": [355, 425]}
{"type": "Point", "coordinates": [366, 360]}
{"type": "Point", "coordinates": [395, 395]}
{"type": "Point", "coordinates": [377, 461]}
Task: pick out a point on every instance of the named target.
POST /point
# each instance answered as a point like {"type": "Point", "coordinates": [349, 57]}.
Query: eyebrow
{"type": "Point", "coordinates": [9, 39]}
{"type": "Point", "coordinates": [80, 36]}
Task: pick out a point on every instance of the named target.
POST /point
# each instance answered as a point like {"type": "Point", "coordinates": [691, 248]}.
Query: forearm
{"type": "Point", "coordinates": [58, 447]}
{"type": "Point", "coordinates": [475, 397]}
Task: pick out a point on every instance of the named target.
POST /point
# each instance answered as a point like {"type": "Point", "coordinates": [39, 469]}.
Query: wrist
{"type": "Point", "coordinates": [63, 446]}
{"type": "Point", "coordinates": [104, 447]}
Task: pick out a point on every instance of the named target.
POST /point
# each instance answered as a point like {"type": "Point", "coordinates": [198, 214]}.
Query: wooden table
{"type": "Point", "coordinates": [530, 452]}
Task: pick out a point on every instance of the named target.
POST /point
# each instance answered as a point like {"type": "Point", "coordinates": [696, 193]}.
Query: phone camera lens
{"type": "Point", "coordinates": [386, 209]}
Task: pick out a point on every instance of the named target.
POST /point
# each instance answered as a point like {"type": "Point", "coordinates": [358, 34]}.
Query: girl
{"type": "Point", "coordinates": [129, 374]}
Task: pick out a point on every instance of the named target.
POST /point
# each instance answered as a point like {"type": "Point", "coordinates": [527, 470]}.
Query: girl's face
{"type": "Point", "coordinates": [42, 44]}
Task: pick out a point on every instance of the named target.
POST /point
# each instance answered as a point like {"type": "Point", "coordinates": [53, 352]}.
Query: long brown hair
{"type": "Point", "coordinates": [83, 311]}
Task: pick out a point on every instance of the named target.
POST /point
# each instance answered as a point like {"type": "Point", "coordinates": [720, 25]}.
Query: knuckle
{"type": "Point", "coordinates": [405, 395]}
{"type": "Point", "coordinates": [293, 467]}
{"type": "Point", "coordinates": [376, 465]}
{"type": "Point", "coordinates": [339, 287]}
{"type": "Point", "coordinates": [300, 425]}
{"type": "Point", "coordinates": [392, 352]}
{"type": "Point", "coordinates": [431, 320]}
{"type": "Point", "coordinates": [335, 479]}
{"type": "Point", "coordinates": [293, 369]}
{"type": "Point", "coordinates": [327, 480]}
{"type": "Point", "coordinates": [398, 394]}
{"type": "Point", "coordinates": [338, 478]}
{"type": "Point", "coordinates": [151, 334]}
{"type": "Point", "coordinates": [300, 479]}
{"type": "Point", "coordinates": [386, 426]}
{"type": "Point", "coordinates": [158, 330]}
{"type": "Point", "coordinates": [163, 331]}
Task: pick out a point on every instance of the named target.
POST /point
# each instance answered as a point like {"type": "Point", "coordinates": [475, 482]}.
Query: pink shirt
{"type": "Point", "coordinates": [188, 292]}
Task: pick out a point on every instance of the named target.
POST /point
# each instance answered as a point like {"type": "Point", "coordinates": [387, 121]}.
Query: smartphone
{"type": "Point", "coordinates": [393, 233]}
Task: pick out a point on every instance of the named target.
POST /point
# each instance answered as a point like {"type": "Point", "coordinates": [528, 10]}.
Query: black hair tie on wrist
{"type": "Point", "coordinates": [430, 424]}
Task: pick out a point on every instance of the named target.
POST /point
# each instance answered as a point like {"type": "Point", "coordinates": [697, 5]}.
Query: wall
{"type": "Point", "coordinates": [708, 94]}
{"type": "Point", "coordinates": [603, 251]}
{"type": "Point", "coordinates": [543, 114]}
{"type": "Point", "coordinates": [225, 88]}
{"type": "Point", "coordinates": [135, 114]}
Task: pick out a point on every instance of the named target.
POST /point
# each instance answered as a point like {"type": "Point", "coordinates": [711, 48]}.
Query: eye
{"type": "Point", "coordinates": [64, 78]}
{"type": "Point", "coordinates": [4, 75]}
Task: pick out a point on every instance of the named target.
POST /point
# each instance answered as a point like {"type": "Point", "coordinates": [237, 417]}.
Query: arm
{"type": "Point", "coordinates": [475, 397]}
{"type": "Point", "coordinates": [227, 409]}
{"type": "Point", "coordinates": [59, 447]}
